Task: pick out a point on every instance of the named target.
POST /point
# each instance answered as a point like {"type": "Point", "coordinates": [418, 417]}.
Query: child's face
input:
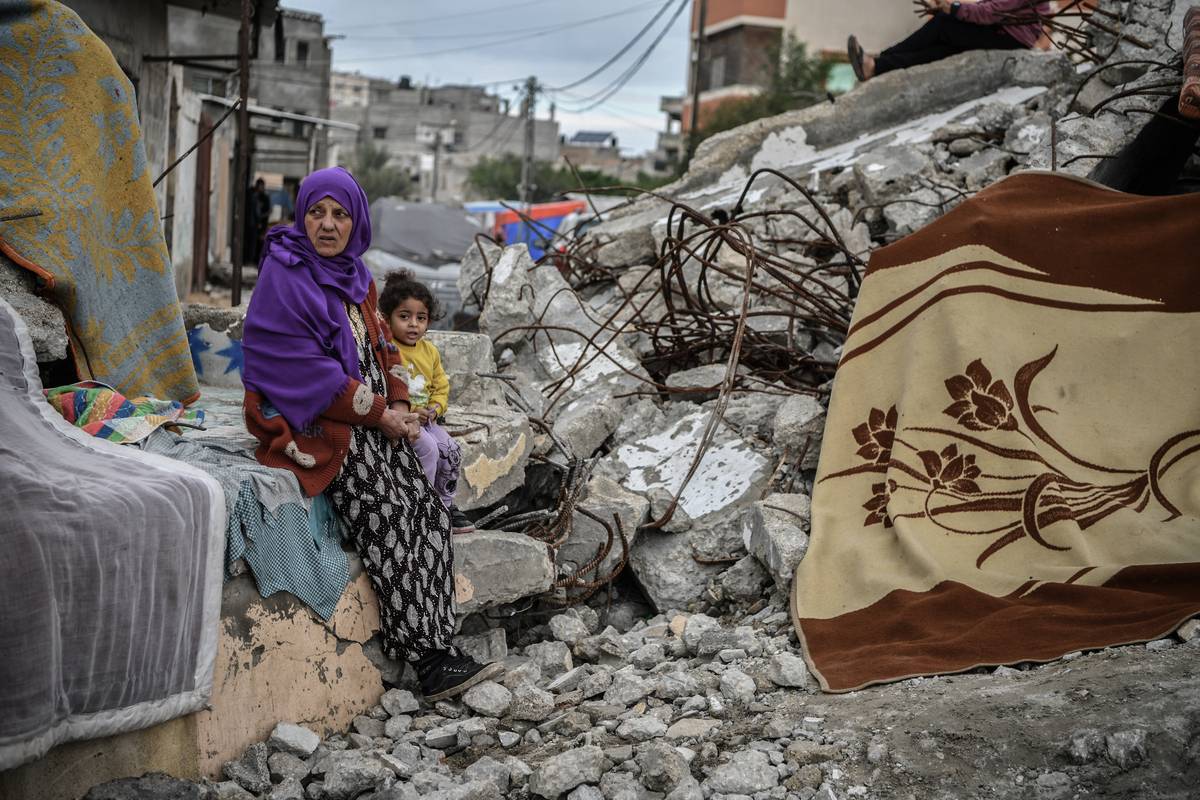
{"type": "Point", "coordinates": [409, 321]}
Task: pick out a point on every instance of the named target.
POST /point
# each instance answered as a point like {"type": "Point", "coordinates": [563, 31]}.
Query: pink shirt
{"type": "Point", "coordinates": [1003, 13]}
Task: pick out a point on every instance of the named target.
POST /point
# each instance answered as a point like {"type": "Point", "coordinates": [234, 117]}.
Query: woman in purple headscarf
{"type": "Point", "coordinates": [326, 400]}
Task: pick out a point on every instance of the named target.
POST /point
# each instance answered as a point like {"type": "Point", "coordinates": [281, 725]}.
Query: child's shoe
{"type": "Point", "coordinates": [459, 523]}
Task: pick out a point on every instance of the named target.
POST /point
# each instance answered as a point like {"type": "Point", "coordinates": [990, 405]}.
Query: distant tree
{"type": "Point", "coordinates": [370, 168]}
{"type": "Point", "coordinates": [795, 81]}
{"type": "Point", "coordinates": [500, 179]}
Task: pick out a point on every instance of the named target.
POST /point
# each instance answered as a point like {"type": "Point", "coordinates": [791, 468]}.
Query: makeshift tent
{"type": "Point", "coordinates": [538, 227]}
{"type": "Point", "coordinates": [1011, 452]}
{"type": "Point", "coordinates": [427, 233]}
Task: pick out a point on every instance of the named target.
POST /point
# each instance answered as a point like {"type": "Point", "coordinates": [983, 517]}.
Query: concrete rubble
{"type": "Point", "coordinates": [647, 502]}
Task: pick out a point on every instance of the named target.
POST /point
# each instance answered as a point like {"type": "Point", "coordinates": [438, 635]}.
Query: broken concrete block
{"type": "Point", "coordinates": [509, 298]}
{"type": "Point", "coordinates": [495, 567]}
{"type": "Point", "coordinates": [47, 326]}
{"type": "Point", "coordinates": [745, 580]}
{"type": "Point", "coordinates": [250, 771]}
{"type": "Point", "coordinates": [293, 739]}
{"type": "Point", "coordinates": [664, 568]}
{"type": "Point", "coordinates": [604, 498]}
{"type": "Point", "coordinates": [488, 699]}
{"type": "Point", "coordinates": [495, 443]}
{"type": "Point", "coordinates": [698, 384]}
{"type": "Point", "coordinates": [984, 167]}
{"type": "Point", "coordinates": [660, 501]}
{"type": "Point", "coordinates": [464, 357]}
{"type": "Point", "coordinates": [475, 262]}
{"type": "Point", "coordinates": [799, 425]}
{"type": "Point", "coordinates": [589, 374]}
{"type": "Point", "coordinates": [485, 647]}
{"type": "Point", "coordinates": [730, 470]}
{"type": "Point", "coordinates": [779, 534]}
{"type": "Point", "coordinates": [563, 772]}
{"type": "Point", "coordinates": [219, 318]}
{"type": "Point", "coordinates": [583, 427]}
{"type": "Point", "coordinates": [788, 669]}
{"type": "Point", "coordinates": [891, 172]}
{"type": "Point", "coordinates": [626, 241]}
{"type": "Point", "coordinates": [917, 209]}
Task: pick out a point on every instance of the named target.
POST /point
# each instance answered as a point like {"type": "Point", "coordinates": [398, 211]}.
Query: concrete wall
{"type": "Point", "coordinates": [823, 25]}
{"type": "Point", "coordinates": [281, 80]}
{"type": "Point", "coordinates": [723, 11]}
{"type": "Point", "coordinates": [267, 649]}
{"type": "Point", "coordinates": [183, 178]}
{"type": "Point", "coordinates": [738, 56]}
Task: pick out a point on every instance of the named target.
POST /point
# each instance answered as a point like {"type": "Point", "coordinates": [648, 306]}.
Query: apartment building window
{"type": "Point", "coordinates": [716, 73]}
{"type": "Point", "coordinates": [280, 49]}
{"type": "Point", "coordinates": [379, 133]}
{"type": "Point", "coordinates": [302, 53]}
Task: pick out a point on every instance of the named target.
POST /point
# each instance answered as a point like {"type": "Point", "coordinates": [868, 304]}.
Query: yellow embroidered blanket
{"type": "Point", "coordinates": [71, 147]}
{"type": "Point", "coordinates": [1012, 451]}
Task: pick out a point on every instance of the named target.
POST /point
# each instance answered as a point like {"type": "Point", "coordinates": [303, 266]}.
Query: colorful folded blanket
{"type": "Point", "coordinates": [107, 414]}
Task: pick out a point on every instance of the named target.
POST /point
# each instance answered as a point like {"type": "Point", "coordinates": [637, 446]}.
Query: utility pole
{"type": "Point", "coordinates": [243, 155]}
{"type": "Point", "coordinates": [531, 88]}
{"type": "Point", "coordinates": [437, 148]}
{"type": "Point", "coordinates": [697, 59]}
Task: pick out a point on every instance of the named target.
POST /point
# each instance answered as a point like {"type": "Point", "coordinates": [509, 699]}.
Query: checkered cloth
{"type": "Point", "coordinates": [290, 542]}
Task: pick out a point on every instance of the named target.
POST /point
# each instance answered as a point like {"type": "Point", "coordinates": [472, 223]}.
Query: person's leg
{"type": "Point", "coordinates": [941, 37]}
{"type": "Point", "coordinates": [445, 483]}
{"type": "Point", "coordinates": [426, 449]}
{"type": "Point", "coordinates": [402, 534]}
{"type": "Point", "coordinates": [449, 460]}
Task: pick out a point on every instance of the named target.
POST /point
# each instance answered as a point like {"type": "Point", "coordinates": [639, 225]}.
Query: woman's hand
{"type": "Point", "coordinates": [399, 424]}
{"type": "Point", "coordinates": [937, 6]}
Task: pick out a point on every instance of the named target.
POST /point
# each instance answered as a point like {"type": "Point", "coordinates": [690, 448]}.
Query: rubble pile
{"type": "Point", "coordinates": [683, 707]}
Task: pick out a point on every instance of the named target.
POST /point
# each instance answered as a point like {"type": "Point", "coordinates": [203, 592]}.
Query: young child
{"type": "Point", "coordinates": [408, 307]}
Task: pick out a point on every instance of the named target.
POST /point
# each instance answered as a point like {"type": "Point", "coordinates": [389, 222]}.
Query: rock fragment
{"type": "Point", "coordinates": [565, 771]}
{"type": "Point", "coordinates": [297, 740]}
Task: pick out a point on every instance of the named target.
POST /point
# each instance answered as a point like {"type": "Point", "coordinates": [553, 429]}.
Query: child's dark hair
{"type": "Point", "coordinates": [400, 285]}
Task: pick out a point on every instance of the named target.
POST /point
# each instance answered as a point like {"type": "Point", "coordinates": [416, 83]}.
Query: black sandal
{"type": "Point", "coordinates": [855, 53]}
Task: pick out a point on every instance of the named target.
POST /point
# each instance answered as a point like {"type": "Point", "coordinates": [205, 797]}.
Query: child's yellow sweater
{"type": "Point", "coordinates": [427, 382]}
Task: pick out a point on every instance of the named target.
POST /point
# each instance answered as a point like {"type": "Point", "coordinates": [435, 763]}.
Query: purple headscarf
{"type": "Point", "coordinates": [299, 351]}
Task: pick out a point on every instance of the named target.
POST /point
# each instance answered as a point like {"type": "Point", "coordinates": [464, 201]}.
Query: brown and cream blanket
{"type": "Point", "coordinates": [1011, 463]}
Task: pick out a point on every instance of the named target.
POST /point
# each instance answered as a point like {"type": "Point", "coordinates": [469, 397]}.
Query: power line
{"type": "Point", "coordinates": [621, 80]}
{"type": "Point", "coordinates": [494, 10]}
{"type": "Point", "coordinates": [531, 35]}
{"type": "Point", "coordinates": [619, 53]}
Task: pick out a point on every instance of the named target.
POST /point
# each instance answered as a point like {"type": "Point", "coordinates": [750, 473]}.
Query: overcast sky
{"type": "Point", "coordinates": [494, 40]}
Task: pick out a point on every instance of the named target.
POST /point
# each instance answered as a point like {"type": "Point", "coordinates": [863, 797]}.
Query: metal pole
{"type": "Point", "coordinates": [243, 154]}
{"type": "Point", "coordinates": [694, 115]}
{"type": "Point", "coordinates": [437, 146]}
{"type": "Point", "coordinates": [527, 162]}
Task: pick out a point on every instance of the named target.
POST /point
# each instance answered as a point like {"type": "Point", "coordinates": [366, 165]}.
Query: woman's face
{"type": "Point", "coordinates": [328, 226]}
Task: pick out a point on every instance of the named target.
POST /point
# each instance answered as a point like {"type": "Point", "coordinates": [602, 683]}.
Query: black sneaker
{"type": "Point", "coordinates": [443, 675]}
{"type": "Point", "coordinates": [459, 523]}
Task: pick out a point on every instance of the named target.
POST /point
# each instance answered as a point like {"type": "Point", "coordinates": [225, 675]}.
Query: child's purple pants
{"type": "Point", "coordinates": [440, 458]}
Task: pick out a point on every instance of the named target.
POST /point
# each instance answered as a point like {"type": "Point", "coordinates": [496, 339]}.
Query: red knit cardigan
{"type": "Point", "coordinates": [316, 454]}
